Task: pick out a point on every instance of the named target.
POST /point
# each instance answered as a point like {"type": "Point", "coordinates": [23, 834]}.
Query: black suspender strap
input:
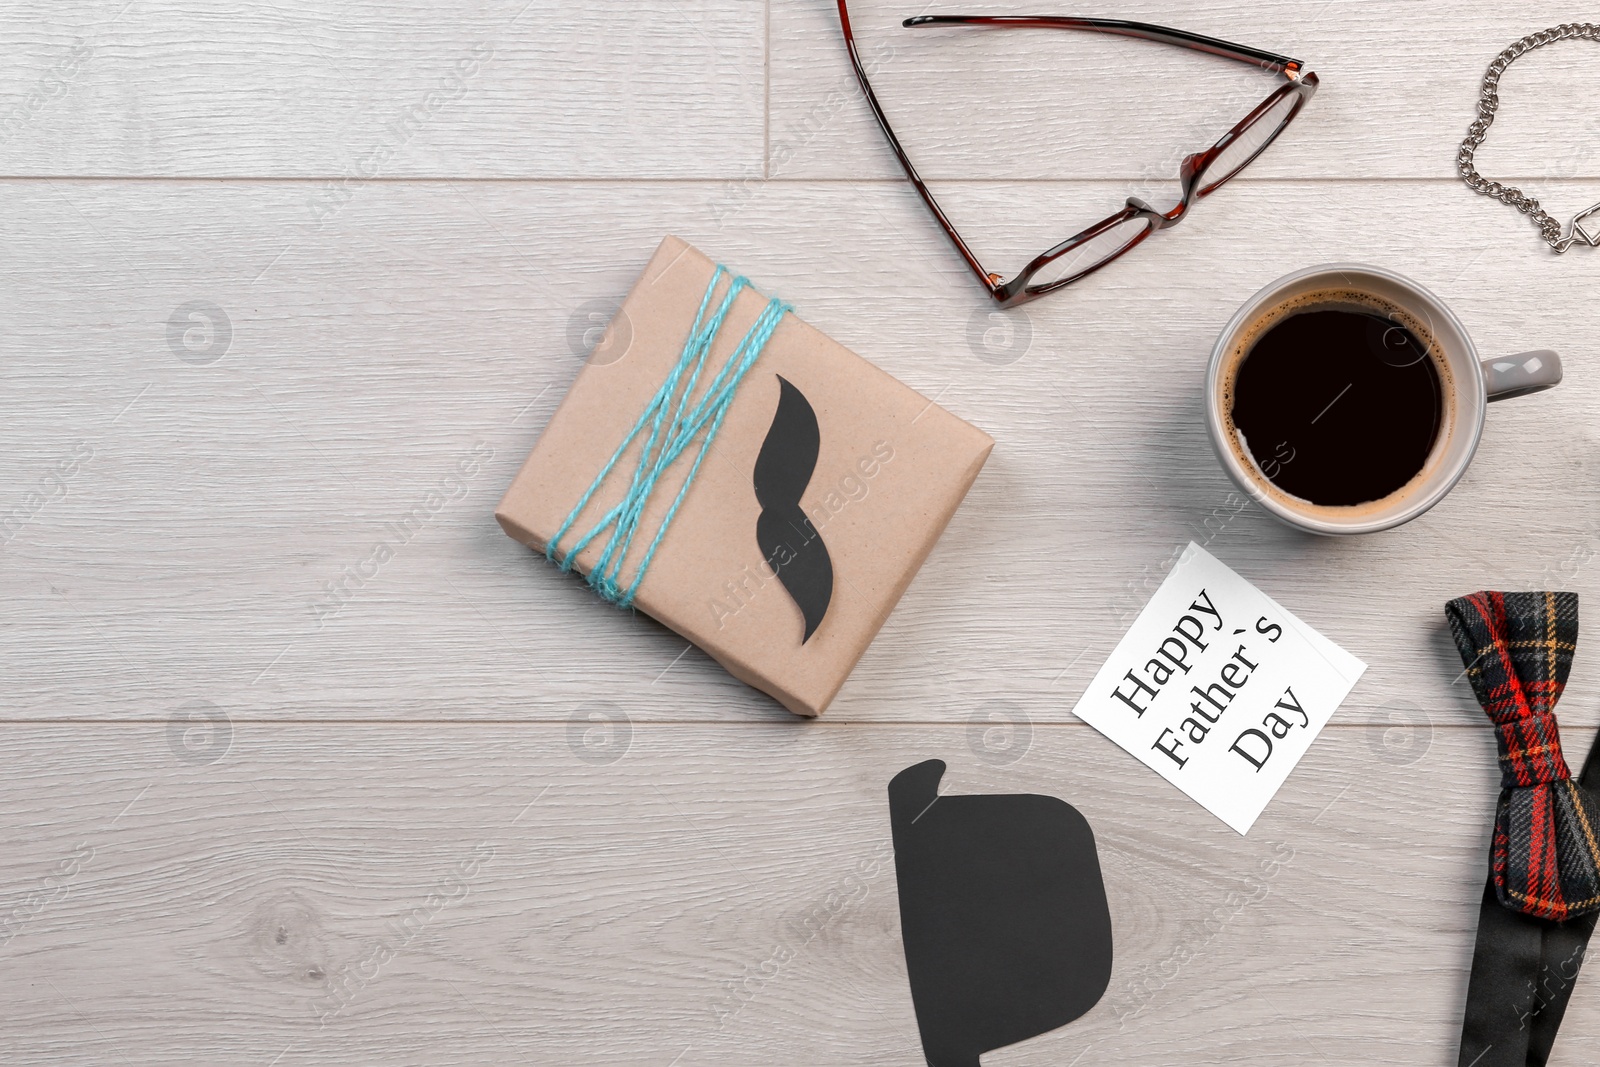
{"type": "Point", "coordinates": [1523, 971]}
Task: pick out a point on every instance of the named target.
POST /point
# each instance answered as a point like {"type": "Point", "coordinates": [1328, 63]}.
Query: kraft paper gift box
{"type": "Point", "coordinates": [891, 467]}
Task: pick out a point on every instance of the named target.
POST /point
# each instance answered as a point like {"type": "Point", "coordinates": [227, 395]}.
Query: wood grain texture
{"type": "Point", "coordinates": [476, 816]}
{"type": "Point", "coordinates": [456, 893]}
{"type": "Point", "coordinates": [1399, 87]}
{"type": "Point", "coordinates": [354, 91]}
{"type": "Point", "coordinates": [189, 555]}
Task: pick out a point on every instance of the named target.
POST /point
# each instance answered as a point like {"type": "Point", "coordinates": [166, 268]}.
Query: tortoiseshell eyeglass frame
{"type": "Point", "coordinates": [1299, 83]}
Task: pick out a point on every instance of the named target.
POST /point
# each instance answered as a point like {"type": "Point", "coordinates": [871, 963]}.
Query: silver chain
{"type": "Point", "coordinates": [1488, 104]}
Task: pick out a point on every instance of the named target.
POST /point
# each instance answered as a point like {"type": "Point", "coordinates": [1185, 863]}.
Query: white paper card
{"type": "Point", "coordinates": [1218, 689]}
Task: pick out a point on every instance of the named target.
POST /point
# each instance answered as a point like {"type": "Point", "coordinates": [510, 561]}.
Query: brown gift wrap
{"type": "Point", "coordinates": [891, 469]}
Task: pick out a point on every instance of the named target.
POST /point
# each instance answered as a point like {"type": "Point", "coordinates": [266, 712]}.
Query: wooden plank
{"type": "Point", "coordinates": [355, 92]}
{"type": "Point", "coordinates": [364, 893]}
{"type": "Point", "coordinates": [1399, 87]}
{"type": "Point", "coordinates": [189, 553]}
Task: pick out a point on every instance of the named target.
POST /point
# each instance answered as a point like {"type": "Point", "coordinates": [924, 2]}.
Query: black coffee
{"type": "Point", "coordinates": [1338, 405]}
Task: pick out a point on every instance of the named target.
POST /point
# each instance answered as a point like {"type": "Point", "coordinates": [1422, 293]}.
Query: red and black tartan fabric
{"type": "Point", "coordinates": [1545, 858]}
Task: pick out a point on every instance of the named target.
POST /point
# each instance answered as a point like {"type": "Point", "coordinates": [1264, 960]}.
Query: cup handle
{"type": "Point", "coordinates": [1529, 372]}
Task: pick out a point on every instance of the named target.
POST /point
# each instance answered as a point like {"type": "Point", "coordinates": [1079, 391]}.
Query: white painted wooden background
{"type": "Point", "coordinates": [253, 307]}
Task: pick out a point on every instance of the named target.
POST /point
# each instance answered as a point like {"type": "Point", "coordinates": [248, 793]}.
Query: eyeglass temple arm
{"type": "Point", "coordinates": [1143, 30]}
{"type": "Point", "coordinates": [989, 281]}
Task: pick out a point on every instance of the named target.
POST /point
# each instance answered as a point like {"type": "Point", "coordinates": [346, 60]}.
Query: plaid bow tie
{"type": "Point", "coordinates": [1545, 858]}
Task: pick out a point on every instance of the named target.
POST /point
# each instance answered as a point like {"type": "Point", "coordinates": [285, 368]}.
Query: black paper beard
{"type": "Point", "coordinates": [1002, 911]}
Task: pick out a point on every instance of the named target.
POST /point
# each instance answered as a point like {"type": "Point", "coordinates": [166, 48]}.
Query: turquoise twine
{"type": "Point", "coordinates": [662, 448]}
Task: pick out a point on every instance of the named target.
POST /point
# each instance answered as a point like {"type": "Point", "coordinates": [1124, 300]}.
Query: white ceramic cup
{"type": "Point", "coordinates": [1468, 385]}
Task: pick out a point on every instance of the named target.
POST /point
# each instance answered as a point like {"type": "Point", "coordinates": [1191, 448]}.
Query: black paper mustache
{"type": "Point", "coordinates": [1002, 912]}
{"type": "Point", "coordinates": [788, 540]}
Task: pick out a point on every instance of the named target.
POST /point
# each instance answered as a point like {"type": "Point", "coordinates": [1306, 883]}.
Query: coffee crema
{"type": "Point", "coordinates": [1337, 398]}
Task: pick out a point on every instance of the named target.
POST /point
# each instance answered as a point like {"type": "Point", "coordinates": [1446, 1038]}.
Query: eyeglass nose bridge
{"type": "Point", "coordinates": [1159, 220]}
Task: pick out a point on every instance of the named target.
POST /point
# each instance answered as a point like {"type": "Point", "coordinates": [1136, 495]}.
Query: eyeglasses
{"type": "Point", "coordinates": [1201, 174]}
